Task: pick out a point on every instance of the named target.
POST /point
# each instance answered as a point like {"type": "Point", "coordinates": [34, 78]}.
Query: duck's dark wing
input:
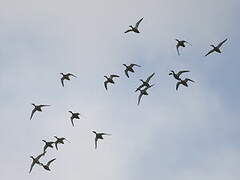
{"type": "Point", "coordinates": [33, 111]}
{"type": "Point", "coordinates": [148, 79]}
{"type": "Point", "coordinates": [62, 79]}
{"type": "Point", "coordinates": [96, 143]}
{"type": "Point", "coordinates": [188, 43]}
{"type": "Point", "coordinates": [177, 47]}
{"type": "Point", "coordinates": [131, 65]}
{"type": "Point", "coordinates": [180, 72]}
{"type": "Point", "coordinates": [72, 122]}
{"type": "Point", "coordinates": [137, 24]}
{"type": "Point", "coordinates": [129, 30]}
{"type": "Point", "coordinates": [221, 43]}
{"type": "Point", "coordinates": [126, 72]}
{"type": "Point", "coordinates": [139, 98]}
{"type": "Point", "coordinates": [44, 105]}
{"type": "Point", "coordinates": [210, 52]}
{"type": "Point", "coordinates": [69, 74]}
{"type": "Point", "coordinates": [105, 84]}
{"type": "Point", "coordinates": [33, 163]}
{"type": "Point", "coordinates": [56, 143]}
{"type": "Point", "coordinates": [189, 80]}
{"type": "Point", "coordinates": [49, 162]}
{"type": "Point", "coordinates": [177, 85]}
{"type": "Point", "coordinates": [113, 75]}
{"type": "Point", "coordinates": [105, 134]}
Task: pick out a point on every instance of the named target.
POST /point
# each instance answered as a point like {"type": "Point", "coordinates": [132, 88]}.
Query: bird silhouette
{"type": "Point", "coordinates": [37, 108]}
{"type": "Point", "coordinates": [66, 77]}
{"type": "Point", "coordinates": [177, 75]}
{"type": "Point", "coordinates": [145, 83]}
{"type": "Point", "coordinates": [46, 166]}
{"type": "Point", "coordinates": [183, 82]}
{"type": "Point", "coordinates": [129, 68]}
{"type": "Point", "coordinates": [99, 136]}
{"type": "Point", "coordinates": [181, 43]}
{"type": "Point", "coordinates": [135, 28]}
{"type": "Point", "coordinates": [36, 160]}
{"type": "Point", "coordinates": [109, 80]}
{"type": "Point", "coordinates": [217, 48]}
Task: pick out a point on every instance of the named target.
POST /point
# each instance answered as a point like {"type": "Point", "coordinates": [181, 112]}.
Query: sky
{"type": "Point", "coordinates": [187, 134]}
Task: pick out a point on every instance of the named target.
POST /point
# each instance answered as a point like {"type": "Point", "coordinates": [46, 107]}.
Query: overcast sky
{"type": "Point", "coordinates": [188, 134]}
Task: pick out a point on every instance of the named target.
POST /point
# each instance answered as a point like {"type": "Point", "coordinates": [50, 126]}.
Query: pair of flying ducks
{"type": "Point", "coordinates": [126, 71]}
{"type": "Point", "coordinates": [36, 161]}
{"type": "Point", "coordinates": [180, 81]}
{"type": "Point", "coordinates": [182, 43]}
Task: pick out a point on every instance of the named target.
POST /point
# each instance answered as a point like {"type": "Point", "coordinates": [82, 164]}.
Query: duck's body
{"type": "Point", "coordinates": [145, 83]}
{"type": "Point", "coordinates": [216, 48]}
{"type": "Point", "coordinates": [177, 75]}
{"type": "Point", "coordinates": [135, 28]}
{"type": "Point", "coordinates": [130, 68]}
{"type": "Point", "coordinates": [74, 116]}
{"type": "Point", "coordinates": [36, 160]}
{"type": "Point", "coordinates": [37, 108]}
{"type": "Point", "coordinates": [109, 80]}
{"type": "Point", "coordinates": [66, 77]}
{"type": "Point", "coordinates": [143, 92]}
{"type": "Point", "coordinates": [98, 136]}
{"type": "Point", "coordinates": [183, 82]}
{"type": "Point", "coordinates": [47, 145]}
{"type": "Point", "coordinates": [181, 43]}
{"type": "Point", "coordinates": [46, 166]}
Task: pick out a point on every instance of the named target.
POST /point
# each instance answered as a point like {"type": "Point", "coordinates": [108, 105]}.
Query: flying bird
{"type": "Point", "coordinates": [129, 68]}
{"type": "Point", "coordinates": [217, 48]}
{"type": "Point", "coordinates": [145, 83]}
{"type": "Point", "coordinates": [135, 28]}
{"type": "Point", "coordinates": [59, 141]}
{"type": "Point", "coordinates": [46, 166]}
{"type": "Point", "coordinates": [66, 77]}
{"type": "Point", "coordinates": [143, 92]}
{"type": "Point", "coordinates": [109, 80]}
{"type": "Point", "coordinates": [37, 108]}
{"type": "Point", "coordinates": [36, 160]}
{"type": "Point", "coordinates": [99, 136]}
{"type": "Point", "coordinates": [181, 43]}
{"type": "Point", "coordinates": [47, 145]}
{"type": "Point", "coordinates": [74, 116]}
{"type": "Point", "coordinates": [177, 75]}
{"type": "Point", "coordinates": [183, 82]}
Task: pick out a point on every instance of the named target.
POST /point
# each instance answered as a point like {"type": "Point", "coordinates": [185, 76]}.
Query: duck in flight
{"type": "Point", "coordinates": [129, 68]}
{"type": "Point", "coordinates": [183, 82]}
{"type": "Point", "coordinates": [47, 145]}
{"type": "Point", "coordinates": [177, 75]}
{"type": "Point", "coordinates": [66, 77]}
{"type": "Point", "coordinates": [145, 83]}
{"type": "Point", "coordinates": [143, 92]}
{"type": "Point", "coordinates": [181, 43]}
{"type": "Point", "coordinates": [36, 160]}
{"type": "Point", "coordinates": [46, 166]}
{"type": "Point", "coordinates": [109, 80]}
{"type": "Point", "coordinates": [37, 108]}
{"type": "Point", "coordinates": [59, 141]}
{"type": "Point", "coordinates": [74, 116]}
{"type": "Point", "coordinates": [99, 136]}
{"type": "Point", "coordinates": [135, 28]}
{"type": "Point", "coordinates": [217, 48]}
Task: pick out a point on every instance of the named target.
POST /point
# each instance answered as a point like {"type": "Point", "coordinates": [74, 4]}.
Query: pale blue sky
{"type": "Point", "coordinates": [184, 135]}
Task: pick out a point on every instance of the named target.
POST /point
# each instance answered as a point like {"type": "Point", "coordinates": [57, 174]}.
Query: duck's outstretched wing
{"type": "Point", "coordinates": [129, 30]}
{"type": "Point", "coordinates": [132, 65]}
{"type": "Point", "coordinates": [149, 78]}
{"type": "Point", "coordinates": [177, 85]}
{"type": "Point", "coordinates": [221, 43]}
{"type": "Point", "coordinates": [139, 98]}
{"type": "Point", "coordinates": [49, 162]}
{"type": "Point", "coordinates": [177, 47]}
{"type": "Point", "coordinates": [180, 72]}
{"type": "Point", "coordinates": [189, 80]}
{"type": "Point", "coordinates": [33, 111]}
{"type": "Point", "coordinates": [62, 79]}
{"type": "Point", "coordinates": [70, 74]}
{"type": "Point", "coordinates": [33, 163]}
{"type": "Point", "coordinates": [105, 84]}
{"type": "Point", "coordinates": [44, 105]}
{"type": "Point", "coordinates": [96, 143]}
{"type": "Point", "coordinates": [210, 52]}
{"type": "Point", "coordinates": [113, 75]}
{"type": "Point", "coordinates": [126, 72]}
{"type": "Point", "coordinates": [72, 122]}
{"type": "Point", "coordinates": [137, 24]}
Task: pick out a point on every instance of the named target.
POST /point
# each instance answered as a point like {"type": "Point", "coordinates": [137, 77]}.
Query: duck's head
{"type": "Point", "coordinates": [32, 157]}
{"type": "Point", "coordinates": [125, 65]}
{"type": "Point", "coordinates": [106, 77]}
{"type": "Point", "coordinates": [94, 132]}
{"type": "Point", "coordinates": [177, 40]}
{"type": "Point", "coordinates": [171, 73]}
{"type": "Point", "coordinates": [142, 80]}
{"type": "Point", "coordinates": [212, 46]}
{"type": "Point", "coordinates": [44, 141]}
{"type": "Point", "coordinates": [56, 137]}
{"type": "Point", "coordinates": [70, 112]}
{"type": "Point", "coordinates": [131, 26]}
{"type": "Point", "coordinates": [62, 74]}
